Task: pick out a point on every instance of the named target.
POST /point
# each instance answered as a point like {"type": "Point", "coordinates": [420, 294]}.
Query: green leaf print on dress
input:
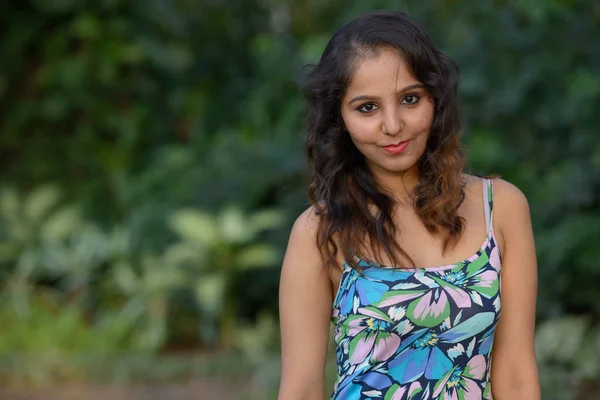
{"type": "Point", "coordinates": [421, 333]}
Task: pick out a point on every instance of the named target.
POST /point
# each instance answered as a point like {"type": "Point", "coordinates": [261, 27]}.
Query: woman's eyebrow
{"type": "Point", "coordinates": [367, 97]}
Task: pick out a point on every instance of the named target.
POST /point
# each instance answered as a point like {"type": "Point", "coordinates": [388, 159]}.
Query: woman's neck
{"type": "Point", "coordinates": [399, 186]}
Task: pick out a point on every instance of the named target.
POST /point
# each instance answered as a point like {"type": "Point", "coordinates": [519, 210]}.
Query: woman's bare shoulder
{"type": "Point", "coordinates": [307, 222]}
{"type": "Point", "coordinates": [473, 188]}
{"type": "Point", "coordinates": [302, 251]}
{"type": "Point", "coordinates": [506, 192]}
{"type": "Point", "coordinates": [511, 208]}
{"type": "Point", "coordinates": [472, 184]}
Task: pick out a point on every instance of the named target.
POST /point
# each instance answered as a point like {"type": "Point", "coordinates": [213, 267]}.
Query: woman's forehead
{"type": "Point", "coordinates": [384, 72]}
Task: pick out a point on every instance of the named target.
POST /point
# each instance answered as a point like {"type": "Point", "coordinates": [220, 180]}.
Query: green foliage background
{"type": "Point", "coordinates": [152, 165]}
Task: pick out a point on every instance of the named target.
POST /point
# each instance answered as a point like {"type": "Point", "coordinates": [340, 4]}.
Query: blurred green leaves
{"type": "Point", "coordinates": [218, 248]}
{"type": "Point", "coordinates": [49, 249]}
{"type": "Point", "coordinates": [567, 350]}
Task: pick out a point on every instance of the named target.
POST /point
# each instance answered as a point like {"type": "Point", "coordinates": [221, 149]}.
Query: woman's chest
{"type": "Point", "coordinates": [426, 297]}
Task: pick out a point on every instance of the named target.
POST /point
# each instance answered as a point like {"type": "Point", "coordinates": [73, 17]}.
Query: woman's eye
{"type": "Point", "coordinates": [411, 99]}
{"type": "Point", "coordinates": [368, 107]}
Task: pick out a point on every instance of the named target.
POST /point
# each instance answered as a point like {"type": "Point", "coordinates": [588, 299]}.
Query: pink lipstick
{"type": "Point", "coordinates": [396, 148]}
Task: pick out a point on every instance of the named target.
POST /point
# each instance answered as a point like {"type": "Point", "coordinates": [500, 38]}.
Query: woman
{"type": "Point", "coordinates": [392, 212]}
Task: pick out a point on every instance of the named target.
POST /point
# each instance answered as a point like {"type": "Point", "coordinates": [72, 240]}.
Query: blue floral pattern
{"type": "Point", "coordinates": [421, 333]}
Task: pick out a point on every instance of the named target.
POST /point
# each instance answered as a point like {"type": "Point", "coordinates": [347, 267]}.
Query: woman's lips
{"type": "Point", "coordinates": [396, 148]}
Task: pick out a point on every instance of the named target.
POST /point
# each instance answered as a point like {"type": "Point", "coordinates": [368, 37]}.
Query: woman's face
{"type": "Point", "coordinates": [388, 114]}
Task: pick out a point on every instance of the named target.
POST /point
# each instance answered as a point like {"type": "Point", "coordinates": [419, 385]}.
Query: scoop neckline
{"type": "Point", "coordinates": [474, 257]}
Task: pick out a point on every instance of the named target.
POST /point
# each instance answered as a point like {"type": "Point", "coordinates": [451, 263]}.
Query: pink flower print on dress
{"type": "Point", "coordinates": [372, 337]}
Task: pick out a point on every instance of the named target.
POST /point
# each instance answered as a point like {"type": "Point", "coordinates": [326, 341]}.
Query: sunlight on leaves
{"type": "Point", "coordinates": [195, 226]}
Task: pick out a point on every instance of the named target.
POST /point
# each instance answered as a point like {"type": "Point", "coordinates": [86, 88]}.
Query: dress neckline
{"type": "Point", "coordinates": [488, 238]}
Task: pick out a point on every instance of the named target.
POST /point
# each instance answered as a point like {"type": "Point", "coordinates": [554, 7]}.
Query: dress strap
{"type": "Point", "coordinates": [488, 202]}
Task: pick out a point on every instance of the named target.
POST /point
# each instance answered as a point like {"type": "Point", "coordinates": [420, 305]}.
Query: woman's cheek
{"type": "Point", "coordinates": [364, 131]}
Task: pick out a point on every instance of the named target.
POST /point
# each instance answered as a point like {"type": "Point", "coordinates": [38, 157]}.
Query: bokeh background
{"type": "Point", "coordinates": [152, 164]}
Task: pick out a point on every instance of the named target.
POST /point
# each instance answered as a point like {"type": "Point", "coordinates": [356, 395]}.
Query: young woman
{"type": "Point", "coordinates": [392, 213]}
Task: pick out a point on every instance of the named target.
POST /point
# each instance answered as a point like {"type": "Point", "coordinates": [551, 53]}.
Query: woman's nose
{"type": "Point", "coordinates": [392, 122]}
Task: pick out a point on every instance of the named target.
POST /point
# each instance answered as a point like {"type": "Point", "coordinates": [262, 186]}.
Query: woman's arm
{"type": "Point", "coordinates": [514, 368]}
{"type": "Point", "coordinates": [305, 298]}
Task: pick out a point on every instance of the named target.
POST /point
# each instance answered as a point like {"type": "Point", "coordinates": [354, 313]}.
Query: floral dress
{"type": "Point", "coordinates": [421, 333]}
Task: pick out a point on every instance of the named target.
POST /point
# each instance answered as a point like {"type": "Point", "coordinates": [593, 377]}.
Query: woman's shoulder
{"type": "Point", "coordinates": [302, 261]}
{"type": "Point", "coordinates": [505, 194]}
{"type": "Point", "coordinates": [307, 222]}
{"type": "Point", "coordinates": [303, 237]}
{"type": "Point", "coordinates": [511, 208]}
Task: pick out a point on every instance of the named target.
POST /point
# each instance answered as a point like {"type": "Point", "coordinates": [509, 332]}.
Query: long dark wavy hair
{"type": "Point", "coordinates": [342, 188]}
